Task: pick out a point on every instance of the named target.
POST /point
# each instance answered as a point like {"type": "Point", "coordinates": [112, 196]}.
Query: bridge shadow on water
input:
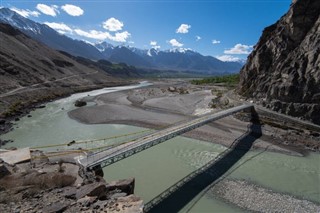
{"type": "Point", "coordinates": [175, 201]}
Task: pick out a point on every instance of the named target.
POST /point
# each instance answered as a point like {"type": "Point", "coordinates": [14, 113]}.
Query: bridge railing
{"type": "Point", "coordinates": [155, 138]}
{"type": "Point", "coordinates": [117, 146]}
{"type": "Point", "coordinates": [287, 120]}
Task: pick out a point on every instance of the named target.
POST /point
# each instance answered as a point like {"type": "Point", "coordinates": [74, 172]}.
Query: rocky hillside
{"type": "Point", "coordinates": [48, 36]}
{"type": "Point", "coordinates": [283, 71]}
{"type": "Point", "coordinates": [32, 72]}
{"type": "Point", "coordinates": [45, 183]}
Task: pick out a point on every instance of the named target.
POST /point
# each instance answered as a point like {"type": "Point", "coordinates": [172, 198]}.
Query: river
{"type": "Point", "coordinates": [161, 166]}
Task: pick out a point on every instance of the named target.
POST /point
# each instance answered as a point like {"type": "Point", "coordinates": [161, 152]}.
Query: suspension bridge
{"type": "Point", "coordinates": [182, 192]}
{"type": "Point", "coordinates": [109, 156]}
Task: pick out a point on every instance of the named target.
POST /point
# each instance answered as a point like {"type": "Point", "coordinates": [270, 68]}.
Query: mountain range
{"type": "Point", "coordinates": [48, 36]}
{"type": "Point", "coordinates": [32, 72]}
{"type": "Point", "coordinates": [176, 59]}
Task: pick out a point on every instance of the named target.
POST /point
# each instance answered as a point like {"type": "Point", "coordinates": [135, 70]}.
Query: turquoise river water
{"type": "Point", "coordinates": [161, 166]}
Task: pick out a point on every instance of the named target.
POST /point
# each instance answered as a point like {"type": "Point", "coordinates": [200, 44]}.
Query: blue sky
{"type": "Point", "coordinates": [225, 29]}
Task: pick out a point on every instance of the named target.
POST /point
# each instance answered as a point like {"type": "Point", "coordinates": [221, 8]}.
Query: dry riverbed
{"type": "Point", "coordinates": [166, 103]}
{"type": "Point", "coordinates": [254, 198]}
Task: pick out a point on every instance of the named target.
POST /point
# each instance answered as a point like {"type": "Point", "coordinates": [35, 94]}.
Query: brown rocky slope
{"type": "Point", "coordinates": [31, 72]}
{"type": "Point", "coordinates": [283, 71]}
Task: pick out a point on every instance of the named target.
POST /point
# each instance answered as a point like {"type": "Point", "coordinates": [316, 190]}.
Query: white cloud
{"type": "Point", "coordinates": [239, 49]}
{"type": "Point", "coordinates": [184, 28]}
{"type": "Point", "coordinates": [112, 24]}
{"type": "Point", "coordinates": [93, 34]}
{"type": "Point", "coordinates": [153, 43]}
{"type": "Point", "coordinates": [175, 43]}
{"type": "Point", "coordinates": [61, 32]}
{"type": "Point", "coordinates": [118, 37]}
{"type": "Point", "coordinates": [198, 38]}
{"type": "Point", "coordinates": [72, 10]}
{"type": "Point", "coordinates": [25, 13]}
{"type": "Point", "coordinates": [214, 41]}
{"type": "Point", "coordinates": [48, 10]}
{"type": "Point", "coordinates": [229, 58]}
{"type": "Point", "coordinates": [60, 27]}
{"type": "Point", "coordinates": [183, 50]}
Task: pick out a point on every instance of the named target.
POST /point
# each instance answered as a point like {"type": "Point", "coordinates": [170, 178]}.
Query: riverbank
{"type": "Point", "coordinates": [14, 107]}
{"type": "Point", "coordinates": [48, 124]}
{"type": "Point", "coordinates": [53, 182]}
{"type": "Point", "coordinates": [172, 101]}
{"type": "Point", "coordinates": [251, 197]}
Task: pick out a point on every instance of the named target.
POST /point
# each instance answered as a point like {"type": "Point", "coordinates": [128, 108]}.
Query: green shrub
{"type": "Point", "coordinates": [230, 80]}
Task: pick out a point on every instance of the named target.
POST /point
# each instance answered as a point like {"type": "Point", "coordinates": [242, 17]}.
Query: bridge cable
{"type": "Point", "coordinates": [90, 141]}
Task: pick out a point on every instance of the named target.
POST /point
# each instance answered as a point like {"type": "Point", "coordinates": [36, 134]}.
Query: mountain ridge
{"type": "Point", "coordinates": [178, 59]}
{"type": "Point", "coordinates": [31, 73]}
{"type": "Point", "coordinates": [48, 36]}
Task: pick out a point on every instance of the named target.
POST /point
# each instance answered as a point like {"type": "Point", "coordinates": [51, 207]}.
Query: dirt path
{"type": "Point", "coordinates": [31, 87]}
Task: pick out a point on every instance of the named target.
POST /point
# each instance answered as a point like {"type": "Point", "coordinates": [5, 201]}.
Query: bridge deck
{"type": "Point", "coordinates": [110, 156]}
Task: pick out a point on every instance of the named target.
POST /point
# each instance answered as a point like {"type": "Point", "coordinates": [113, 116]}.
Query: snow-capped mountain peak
{"type": "Point", "coordinates": [10, 17]}
{"type": "Point", "coordinates": [102, 46]}
{"type": "Point", "coordinates": [174, 59]}
{"type": "Point", "coordinates": [49, 36]}
{"type": "Point", "coordinates": [152, 52]}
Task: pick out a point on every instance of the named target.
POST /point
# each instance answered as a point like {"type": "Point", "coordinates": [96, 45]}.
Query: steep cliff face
{"type": "Point", "coordinates": [283, 71]}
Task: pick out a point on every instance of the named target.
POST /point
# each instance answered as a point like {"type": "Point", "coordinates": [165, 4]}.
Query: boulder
{"type": "Point", "coordinates": [130, 204]}
{"type": "Point", "coordinates": [118, 195]}
{"type": "Point", "coordinates": [93, 189]}
{"type": "Point", "coordinates": [2, 121]}
{"type": "Point", "coordinates": [56, 207]}
{"type": "Point", "coordinates": [16, 156]}
{"type": "Point", "coordinates": [126, 185]}
{"type": "Point", "coordinates": [87, 200]}
{"type": "Point", "coordinates": [80, 103]}
{"type": "Point", "coordinates": [3, 170]}
{"type": "Point", "coordinates": [172, 89]}
{"type": "Point", "coordinates": [70, 192]}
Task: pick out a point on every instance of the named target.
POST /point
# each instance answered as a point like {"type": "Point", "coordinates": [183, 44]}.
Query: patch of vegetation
{"type": "Point", "coordinates": [156, 74]}
{"type": "Point", "coordinates": [229, 80]}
